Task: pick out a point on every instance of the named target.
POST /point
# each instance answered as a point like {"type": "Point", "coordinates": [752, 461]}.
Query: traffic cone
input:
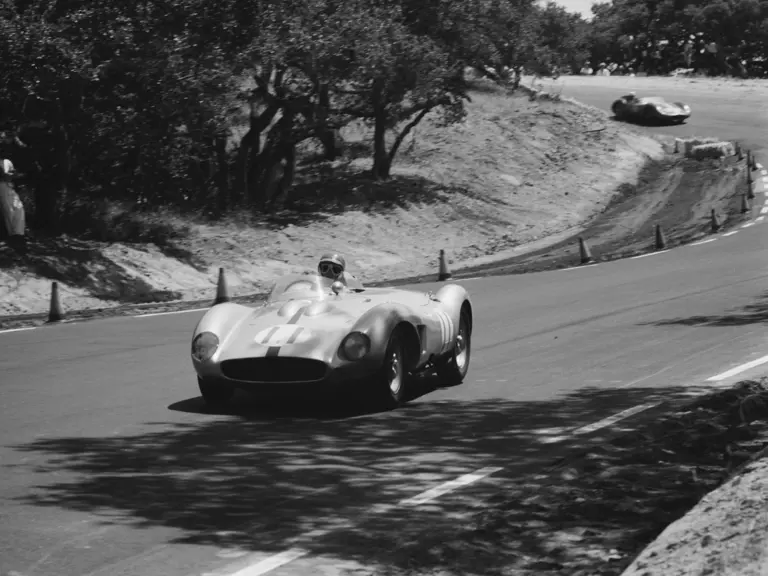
{"type": "Point", "coordinates": [443, 274]}
{"type": "Point", "coordinates": [586, 254]}
{"type": "Point", "coordinates": [744, 204]}
{"type": "Point", "coordinates": [715, 222]}
{"type": "Point", "coordinates": [55, 314]}
{"type": "Point", "coordinates": [222, 293]}
{"type": "Point", "coordinates": [661, 242]}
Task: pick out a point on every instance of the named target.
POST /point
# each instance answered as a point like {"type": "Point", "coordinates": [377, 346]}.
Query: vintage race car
{"type": "Point", "coordinates": [650, 109]}
{"type": "Point", "coordinates": [312, 332]}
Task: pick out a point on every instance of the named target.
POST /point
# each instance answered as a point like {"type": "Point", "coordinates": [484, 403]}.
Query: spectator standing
{"type": "Point", "coordinates": [13, 222]}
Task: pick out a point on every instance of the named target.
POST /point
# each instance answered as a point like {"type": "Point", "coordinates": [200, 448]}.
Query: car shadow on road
{"type": "Point", "coordinates": [754, 313]}
{"type": "Point", "coordinates": [257, 482]}
{"type": "Point", "coordinates": [319, 406]}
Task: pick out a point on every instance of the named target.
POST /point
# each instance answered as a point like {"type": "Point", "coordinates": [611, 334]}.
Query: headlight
{"type": "Point", "coordinates": [204, 346]}
{"type": "Point", "coordinates": [355, 346]}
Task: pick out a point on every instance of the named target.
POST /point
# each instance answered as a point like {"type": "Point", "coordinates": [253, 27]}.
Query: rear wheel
{"type": "Point", "coordinates": [454, 367]}
{"type": "Point", "coordinates": [215, 395]}
{"type": "Point", "coordinates": [391, 383]}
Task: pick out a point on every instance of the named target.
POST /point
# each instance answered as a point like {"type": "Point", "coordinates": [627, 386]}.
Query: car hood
{"type": "Point", "coordinates": [661, 105]}
{"type": "Point", "coordinates": [307, 328]}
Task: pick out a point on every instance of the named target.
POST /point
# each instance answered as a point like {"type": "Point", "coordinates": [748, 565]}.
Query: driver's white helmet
{"type": "Point", "coordinates": [331, 265]}
{"type": "Point", "coordinates": [6, 167]}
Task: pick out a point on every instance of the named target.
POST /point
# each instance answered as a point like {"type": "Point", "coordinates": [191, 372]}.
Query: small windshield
{"type": "Point", "coordinates": [301, 287]}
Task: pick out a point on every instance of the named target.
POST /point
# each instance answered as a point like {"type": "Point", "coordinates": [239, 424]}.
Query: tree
{"type": "Point", "coordinates": [43, 78]}
{"type": "Point", "coordinates": [393, 77]}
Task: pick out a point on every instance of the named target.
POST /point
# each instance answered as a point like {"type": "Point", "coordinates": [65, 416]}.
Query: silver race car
{"type": "Point", "coordinates": [314, 332]}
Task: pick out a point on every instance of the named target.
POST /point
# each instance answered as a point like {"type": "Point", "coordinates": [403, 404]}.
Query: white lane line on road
{"type": "Point", "coordinates": [17, 329]}
{"type": "Point", "coordinates": [731, 233]}
{"type": "Point", "coordinates": [169, 313]}
{"type": "Point", "coordinates": [450, 486]}
{"type": "Point", "coordinates": [648, 254]}
{"type": "Point", "coordinates": [275, 561]}
{"type": "Point", "coordinates": [703, 242]}
{"type": "Point", "coordinates": [610, 420]}
{"type": "Point", "coordinates": [600, 424]}
{"type": "Point", "coordinates": [738, 369]}
{"type": "Point", "coordinates": [760, 218]}
{"type": "Point", "coordinates": [271, 563]}
{"type": "Point", "coordinates": [578, 267]}
{"type": "Point", "coordinates": [748, 224]}
{"type": "Point", "coordinates": [764, 209]}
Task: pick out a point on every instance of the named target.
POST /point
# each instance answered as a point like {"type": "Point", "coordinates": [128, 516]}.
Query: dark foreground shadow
{"type": "Point", "coordinates": [754, 313]}
{"type": "Point", "coordinates": [649, 122]}
{"type": "Point", "coordinates": [257, 481]}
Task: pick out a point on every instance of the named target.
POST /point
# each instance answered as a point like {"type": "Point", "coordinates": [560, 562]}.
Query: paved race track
{"type": "Point", "coordinates": [111, 468]}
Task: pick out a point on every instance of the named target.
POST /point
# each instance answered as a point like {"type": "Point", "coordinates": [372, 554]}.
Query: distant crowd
{"type": "Point", "coordinates": [693, 55]}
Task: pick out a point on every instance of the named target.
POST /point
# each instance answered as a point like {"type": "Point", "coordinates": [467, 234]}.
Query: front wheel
{"type": "Point", "coordinates": [453, 369]}
{"type": "Point", "coordinates": [392, 378]}
{"type": "Point", "coordinates": [215, 395]}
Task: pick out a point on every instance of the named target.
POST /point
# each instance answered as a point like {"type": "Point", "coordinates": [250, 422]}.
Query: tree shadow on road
{"type": "Point", "coordinates": [754, 313]}
{"type": "Point", "coordinates": [257, 481]}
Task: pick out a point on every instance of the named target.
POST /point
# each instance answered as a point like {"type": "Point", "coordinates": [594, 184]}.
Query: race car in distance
{"type": "Point", "coordinates": [313, 332]}
{"type": "Point", "coordinates": [651, 109]}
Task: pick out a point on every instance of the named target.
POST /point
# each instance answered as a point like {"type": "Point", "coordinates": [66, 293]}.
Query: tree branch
{"type": "Point", "coordinates": [406, 130]}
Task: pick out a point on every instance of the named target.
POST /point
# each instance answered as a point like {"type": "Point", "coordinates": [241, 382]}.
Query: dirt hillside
{"type": "Point", "coordinates": [513, 172]}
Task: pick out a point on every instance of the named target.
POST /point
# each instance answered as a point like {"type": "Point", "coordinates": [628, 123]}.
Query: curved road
{"type": "Point", "coordinates": [111, 468]}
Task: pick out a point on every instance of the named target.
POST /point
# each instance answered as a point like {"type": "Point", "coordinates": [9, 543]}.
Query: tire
{"type": "Point", "coordinates": [391, 382]}
{"type": "Point", "coordinates": [215, 395]}
{"type": "Point", "coordinates": [454, 367]}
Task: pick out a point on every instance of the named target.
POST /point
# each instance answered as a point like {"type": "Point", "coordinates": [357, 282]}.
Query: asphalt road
{"type": "Point", "coordinates": [727, 109]}
{"type": "Point", "coordinates": [110, 466]}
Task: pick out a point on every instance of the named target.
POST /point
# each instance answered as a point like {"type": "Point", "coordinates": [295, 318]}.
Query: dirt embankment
{"type": "Point", "coordinates": [515, 171]}
{"type": "Point", "coordinates": [677, 194]}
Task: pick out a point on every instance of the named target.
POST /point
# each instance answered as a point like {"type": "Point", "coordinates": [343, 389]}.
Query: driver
{"type": "Point", "coordinates": [334, 267]}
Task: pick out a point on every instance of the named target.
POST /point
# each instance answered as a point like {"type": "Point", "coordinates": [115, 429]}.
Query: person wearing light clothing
{"type": "Point", "coordinates": [13, 222]}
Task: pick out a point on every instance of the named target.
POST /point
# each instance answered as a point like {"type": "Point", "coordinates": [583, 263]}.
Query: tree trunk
{"type": "Point", "coordinates": [405, 131]}
{"type": "Point", "coordinates": [222, 173]}
{"type": "Point", "coordinates": [57, 189]}
{"type": "Point", "coordinates": [280, 160]}
{"type": "Point", "coordinates": [328, 137]}
{"type": "Point", "coordinates": [381, 160]}
{"type": "Point", "coordinates": [250, 148]}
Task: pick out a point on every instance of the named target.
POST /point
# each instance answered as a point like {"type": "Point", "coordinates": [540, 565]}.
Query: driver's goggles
{"type": "Point", "coordinates": [328, 268]}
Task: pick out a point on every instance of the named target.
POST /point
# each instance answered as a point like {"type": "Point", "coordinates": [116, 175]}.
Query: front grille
{"type": "Point", "coordinates": [274, 369]}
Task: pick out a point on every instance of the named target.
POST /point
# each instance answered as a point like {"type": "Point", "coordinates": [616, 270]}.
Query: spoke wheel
{"type": "Point", "coordinates": [454, 367]}
{"type": "Point", "coordinates": [392, 380]}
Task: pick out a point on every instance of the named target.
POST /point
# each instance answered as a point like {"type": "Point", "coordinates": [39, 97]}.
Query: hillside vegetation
{"type": "Point", "coordinates": [158, 124]}
{"type": "Point", "coordinates": [201, 106]}
{"type": "Point", "coordinates": [512, 172]}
